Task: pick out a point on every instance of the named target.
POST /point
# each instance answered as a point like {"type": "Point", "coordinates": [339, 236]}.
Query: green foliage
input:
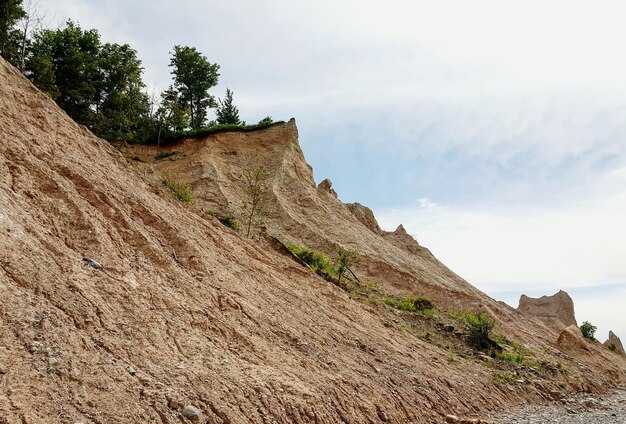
{"type": "Point", "coordinates": [512, 357]}
{"type": "Point", "coordinates": [226, 112]}
{"type": "Point", "coordinates": [504, 377]}
{"type": "Point", "coordinates": [97, 85]}
{"type": "Point", "coordinates": [612, 347]}
{"type": "Point", "coordinates": [230, 221]}
{"type": "Point", "coordinates": [345, 259]}
{"type": "Point", "coordinates": [319, 262]}
{"type": "Point", "coordinates": [588, 330]}
{"type": "Point", "coordinates": [71, 55]}
{"type": "Point", "coordinates": [478, 327]}
{"type": "Point", "coordinates": [11, 12]}
{"type": "Point", "coordinates": [121, 105]}
{"type": "Point", "coordinates": [193, 77]}
{"type": "Point", "coordinates": [266, 121]}
{"type": "Point", "coordinates": [180, 190]}
{"type": "Point", "coordinates": [409, 303]}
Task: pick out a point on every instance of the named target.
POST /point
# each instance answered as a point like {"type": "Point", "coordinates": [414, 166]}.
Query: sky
{"type": "Point", "coordinates": [494, 131]}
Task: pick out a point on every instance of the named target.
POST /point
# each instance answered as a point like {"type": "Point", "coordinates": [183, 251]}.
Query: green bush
{"type": "Point", "coordinates": [319, 262]}
{"type": "Point", "coordinates": [180, 190]}
{"type": "Point", "coordinates": [513, 357]}
{"type": "Point", "coordinates": [588, 330]}
{"type": "Point", "coordinates": [478, 327]}
{"type": "Point", "coordinates": [230, 221]}
{"type": "Point", "coordinates": [409, 303]}
{"type": "Point", "coordinates": [612, 347]}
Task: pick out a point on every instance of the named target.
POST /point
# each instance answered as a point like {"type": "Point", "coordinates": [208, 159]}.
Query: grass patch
{"type": "Point", "coordinates": [180, 190]}
{"type": "Point", "coordinates": [512, 357]}
{"type": "Point", "coordinates": [414, 304]}
{"type": "Point", "coordinates": [506, 377]}
{"type": "Point", "coordinates": [319, 262]}
{"type": "Point", "coordinates": [228, 220]}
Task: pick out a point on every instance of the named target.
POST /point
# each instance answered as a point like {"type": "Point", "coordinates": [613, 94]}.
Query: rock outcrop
{"type": "Point", "coordinates": [613, 340]}
{"type": "Point", "coordinates": [556, 310]}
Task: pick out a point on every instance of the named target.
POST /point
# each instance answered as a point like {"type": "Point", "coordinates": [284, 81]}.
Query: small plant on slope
{"type": "Point", "coordinates": [254, 189]}
{"type": "Point", "coordinates": [180, 190]}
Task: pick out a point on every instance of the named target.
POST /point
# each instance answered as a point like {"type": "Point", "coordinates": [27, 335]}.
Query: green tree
{"type": "Point", "coordinates": [227, 112]}
{"type": "Point", "coordinates": [65, 64]}
{"type": "Point", "coordinates": [120, 103]}
{"type": "Point", "coordinates": [193, 77]}
{"type": "Point", "coordinates": [11, 11]}
{"type": "Point", "coordinates": [172, 115]}
{"type": "Point", "coordinates": [588, 330]}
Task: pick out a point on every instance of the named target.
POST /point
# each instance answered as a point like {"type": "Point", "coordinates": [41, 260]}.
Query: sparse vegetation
{"type": "Point", "coordinates": [588, 330]}
{"type": "Point", "coordinates": [512, 357]}
{"type": "Point", "coordinates": [164, 155]}
{"type": "Point", "coordinates": [612, 347]}
{"type": "Point", "coordinates": [230, 221]}
{"type": "Point", "coordinates": [254, 189]}
{"type": "Point", "coordinates": [506, 377]}
{"type": "Point", "coordinates": [180, 190]}
{"type": "Point", "coordinates": [418, 304]}
{"type": "Point", "coordinates": [346, 259]}
{"type": "Point", "coordinates": [317, 261]}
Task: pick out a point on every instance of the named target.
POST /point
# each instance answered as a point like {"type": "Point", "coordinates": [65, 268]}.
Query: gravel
{"type": "Point", "coordinates": [580, 409]}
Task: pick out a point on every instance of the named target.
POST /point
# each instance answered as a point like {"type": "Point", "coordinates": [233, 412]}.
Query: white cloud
{"type": "Point", "coordinates": [523, 247]}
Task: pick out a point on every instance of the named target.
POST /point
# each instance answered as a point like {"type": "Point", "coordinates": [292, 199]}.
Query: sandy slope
{"type": "Point", "coordinates": [185, 310]}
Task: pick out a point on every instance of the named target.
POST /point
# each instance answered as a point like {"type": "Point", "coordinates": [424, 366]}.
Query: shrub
{"type": "Point", "coordinates": [479, 326]}
{"type": "Point", "coordinates": [230, 221]}
{"type": "Point", "coordinates": [180, 190]}
{"type": "Point", "coordinates": [612, 347]}
{"type": "Point", "coordinates": [211, 212]}
{"type": "Point", "coordinates": [266, 121]}
{"type": "Point", "coordinates": [513, 357]}
{"type": "Point", "coordinates": [345, 260]}
{"type": "Point", "coordinates": [409, 303]}
{"type": "Point", "coordinates": [588, 330]}
{"type": "Point", "coordinates": [319, 262]}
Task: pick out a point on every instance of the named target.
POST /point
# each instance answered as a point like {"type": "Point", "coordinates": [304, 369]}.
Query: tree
{"type": "Point", "coordinates": [172, 115]}
{"type": "Point", "coordinates": [31, 22]}
{"type": "Point", "coordinates": [11, 12]}
{"type": "Point", "coordinates": [193, 77]}
{"type": "Point", "coordinates": [227, 112]}
{"type": "Point", "coordinates": [254, 189]}
{"type": "Point", "coordinates": [120, 103]}
{"type": "Point", "coordinates": [345, 259]}
{"type": "Point", "coordinates": [65, 64]}
{"type": "Point", "coordinates": [266, 121]}
{"type": "Point", "coordinates": [588, 330]}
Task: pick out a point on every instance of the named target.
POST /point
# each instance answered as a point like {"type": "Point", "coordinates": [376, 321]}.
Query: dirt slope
{"type": "Point", "coordinates": [185, 311]}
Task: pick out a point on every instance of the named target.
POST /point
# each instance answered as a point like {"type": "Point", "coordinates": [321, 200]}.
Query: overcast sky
{"type": "Point", "coordinates": [495, 131]}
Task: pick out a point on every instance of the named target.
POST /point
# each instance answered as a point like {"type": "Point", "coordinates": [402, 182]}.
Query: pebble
{"type": "Point", "coordinates": [190, 412]}
{"type": "Point", "coordinates": [581, 409]}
